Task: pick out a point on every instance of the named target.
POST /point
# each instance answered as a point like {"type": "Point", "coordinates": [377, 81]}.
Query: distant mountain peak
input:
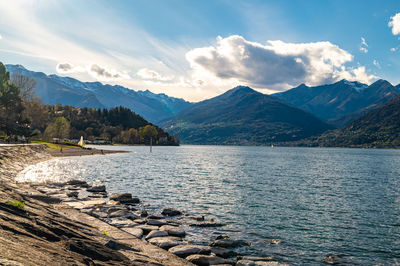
{"type": "Point", "coordinates": [381, 82]}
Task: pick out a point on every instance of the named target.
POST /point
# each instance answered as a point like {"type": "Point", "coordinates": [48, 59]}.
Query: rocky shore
{"type": "Point", "coordinates": [76, 223]}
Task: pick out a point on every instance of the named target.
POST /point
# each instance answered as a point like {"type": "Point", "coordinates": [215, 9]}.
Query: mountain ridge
{"type": "Point", "coordinates": [243, 116]}
{"type": "Point", "coordinates": [54, 89]}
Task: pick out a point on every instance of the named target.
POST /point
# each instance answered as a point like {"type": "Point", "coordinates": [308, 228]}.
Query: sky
{"type": "Point", "coordinates": [199, 49]}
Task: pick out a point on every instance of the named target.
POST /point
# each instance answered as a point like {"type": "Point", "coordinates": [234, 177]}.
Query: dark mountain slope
{"type": "Point", "coordinates": [378, 128]}
{"type": "Point", "coordinates": [243, 116]}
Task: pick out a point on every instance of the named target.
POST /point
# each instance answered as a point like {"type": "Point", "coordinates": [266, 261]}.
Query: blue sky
{"type": "Point", "coordinates": [199, 49]}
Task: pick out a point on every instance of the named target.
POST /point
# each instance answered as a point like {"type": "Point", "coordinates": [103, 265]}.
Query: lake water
{"type": "Point", "coordinates": [317, 201]}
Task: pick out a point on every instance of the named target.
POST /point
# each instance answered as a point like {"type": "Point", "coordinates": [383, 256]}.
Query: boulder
{"type": "Point", "coordinates": [173, 230]}
{"type": "Point", "coordinates": [166, 242]}
{"type": "Point", "coordinates": [208, 260]}
{"type": "Point", "coordinates": [156, 233]}
{"type": "Point", "coordinates": [229, 243]}
{"type": "Point", "coordinates": [223, 252]}
{"type": "Point", "coordinates": [171, 212]}
{"type": "Point", "coordinates": [123, 196]}
{"type": "Point", "coordinates": [136, 232]}
{"type": "Point", "coordinates": [186, 250]}
{"type": "Point", "coordinates": [101, 188]}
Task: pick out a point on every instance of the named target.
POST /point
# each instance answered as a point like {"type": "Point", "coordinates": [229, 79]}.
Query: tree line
{"type": "Point", "coordinates": [23, 114]}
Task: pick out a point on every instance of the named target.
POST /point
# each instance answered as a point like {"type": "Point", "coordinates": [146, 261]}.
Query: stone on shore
{"type": "Point", "coordinates": [136, 232]}
{"type": "Point", "coordinates": [155, 217]}
{"type": "Point", "coordinates": [186, 250]}
{"type": "Point", "coordinates": [147, 228]}
{"type": "Point", "coordinates": [80, 183]}
{"type": "Point", "coordinates": [223, 252]}
{"type": "Point", "coordinates": [229, 243]}
{"type": "Point", "coordinates": [141, 213]}
{"type": "Point", "coordinates": [73, 194]}
{"type": "Point", "coordinates": [125, 198]}
{"type": "Point", "coordinates": [156, 233]}
{"type": "Point", "coordinates": [100, 188]}
{"type": "Point", "coordinates": [208, 260]}
{"type": "Point", "coordinates": [258, 263]}
{"type": "Point", "coordinates": [155, 222]}
{"type": "Point", "coordinates": [173, 230]}
{"type": "Point", "coordinates": [254, 258]}
{"type": "Point", "coordinates": [171, 212]}
{"type": "Point", "coordinates": [206, 224]}
{"type": "Point", "coordinates": [166, 242]}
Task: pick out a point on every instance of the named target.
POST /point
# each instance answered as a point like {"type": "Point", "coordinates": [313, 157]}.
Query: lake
{"type": "Point", "coordinates": [317, 201]}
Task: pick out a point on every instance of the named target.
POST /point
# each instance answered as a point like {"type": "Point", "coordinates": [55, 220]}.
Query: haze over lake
{"type": "Point", "coordinates": [317, 201]}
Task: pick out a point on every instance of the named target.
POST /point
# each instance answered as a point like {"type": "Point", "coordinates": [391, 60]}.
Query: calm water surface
{"type": "Point", "coordinates": [317, 201]}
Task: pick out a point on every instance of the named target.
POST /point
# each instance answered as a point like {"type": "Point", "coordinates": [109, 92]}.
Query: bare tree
{"type": "Point", "coordinates": [26, 85]}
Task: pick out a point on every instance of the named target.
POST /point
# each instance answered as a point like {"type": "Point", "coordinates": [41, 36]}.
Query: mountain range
{"type": "Point", "coordinates": [379, 128]}
{"type": "Point", "coordinates": [54, 89]}
{"type": "Point", "coordinates": [243, 116]}
{"type": "Point", "coordinates": [340, 102]}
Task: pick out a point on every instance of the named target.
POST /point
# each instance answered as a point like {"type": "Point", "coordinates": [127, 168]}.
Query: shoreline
{"type": "Point", "coordinates": [120, 218]}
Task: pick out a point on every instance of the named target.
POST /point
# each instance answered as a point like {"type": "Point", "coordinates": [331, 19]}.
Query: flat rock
{"type": "Point", "coordinates": [254, 258]}
{"type": "Point", "coordinates": [101, 188]}
{"type": "Point", "coordinates": [166, 242]}
{"type": "Point", "coordinates": [118, 213]}
{"type": "Point", "coordinates": [122, 196]}
{"type": "Point", "coordinates": [155, 222]}
{"type": "Point", "coordinates": [156, 233]}
{"type": "Point", "coordinates": [223, 252]}
{"type": "Point", "coordinates": [73, 194]}
{"type": "Point", "coordinates": [229, 243]}
{"type": "Point", "coordinates": [122, 223]}
{"type": "Point", "coordinates": [140, 221]}
{"type": "Point", "coordinates": [147, 228]}
{"type": "Point", "coordinates": [186, 250]}
{"type": "Point", "coordinates": [80, 183]}
{"type": "Point", "coordinates": [206, 224]}
{"type": "Point", "coordinates": [171, 212]}
{"type": "Point", "coordinates": [136, 232]}
{"type": "Point", "coordinates": [155, 217]}
{"type": "Point", "coordinates": [208, 260]}
{"type": "Point", "coordinates": [258, 263]}
{"type": "Point", "coordinates": [173, 230]}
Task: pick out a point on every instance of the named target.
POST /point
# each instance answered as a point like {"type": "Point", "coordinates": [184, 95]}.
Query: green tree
{"type": "Point", "coordinates": [12, 118]}
{"type": "Point", "coordinates": [59, 128]}
{"type": "Point", "coordinates": [147, 132]}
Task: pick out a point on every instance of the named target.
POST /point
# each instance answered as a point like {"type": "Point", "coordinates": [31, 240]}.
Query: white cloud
{"type": "Point", "coordinates": [98, 72]}
{"type": "Point", "coordinates": [393, 49]}
{"type": "Point", "coordinates": [272, 66]}
{"type": "Point", "coordinates": [1, 37]}
{"type": "Point", "coordinates": [67, 68]}
{"type": "Point", "coordinates": [149, 74]}
{"type": "Point", "coordinates": [394, 23]}
{"type": "Point", "coordinates": [363, 45]}
{"type": "Point", "coordinates": [376, 63]}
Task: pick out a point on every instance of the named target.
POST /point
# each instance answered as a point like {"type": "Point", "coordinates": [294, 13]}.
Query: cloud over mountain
{"type": "Point", "coordinates": [394, 23]}
{"type": "Point", "coordinates": [275, 63]}
{"type": "Point", "coordinates": [98, 72]}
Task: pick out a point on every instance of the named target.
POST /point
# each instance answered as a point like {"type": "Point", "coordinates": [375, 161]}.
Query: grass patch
{"type": "Point", "coordinates": [54, 145]}
{"type": "Point", "coordinates": [105, 233]}
{"type": "Point", "coordinates": [17, 204]}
